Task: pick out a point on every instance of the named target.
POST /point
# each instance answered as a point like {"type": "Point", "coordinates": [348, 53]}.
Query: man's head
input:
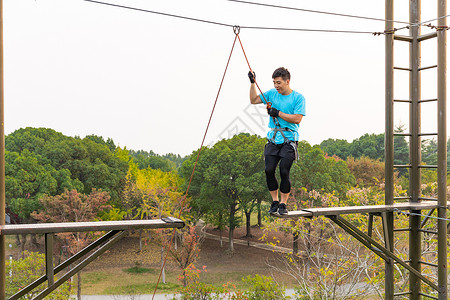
{"type": "Point", "coordinates": [281, 79]}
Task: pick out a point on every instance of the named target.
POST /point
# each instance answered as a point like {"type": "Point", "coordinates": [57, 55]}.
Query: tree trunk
{"type": "Point", "coordinates": [295, 236]}
{"type": "Point", "coordinates": [33, 240]}
{"type": "Point", "coordinates": [247, 217]}
{"type": "Point", "coordinates": [308, 241]}
{"type": "Point", "coordinates": [22, 245]}
{"type": "Point", "coordinates": [259, 214]}
{"type": "Point", "coordinates": [220, 237]}
{"type": "Point", "coordinates": [175, 246]}
{"type": "Point", "coordinates": [140, 240]}
{"type": "Point", "coordinates": [163, 275]}
{"type": "Point", "coordinates": [232, 225]}
{"type": "Point", "coordinates": [230, 236]}
{"type": "Point", "coordinates": [79, 285]}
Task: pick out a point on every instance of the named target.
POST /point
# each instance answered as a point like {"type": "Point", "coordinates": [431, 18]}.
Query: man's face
{"type": "Point", "coordinates": [282, 86]}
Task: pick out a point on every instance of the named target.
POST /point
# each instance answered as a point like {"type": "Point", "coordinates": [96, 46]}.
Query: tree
{"type": "Point", "coordinates": [186, 254]}
{"type": "Point", "coordinates": [367, 171]}
{"type": "Point", "coordinates": [401, 149]}
{"type": "Point", "coordinates": [146, 160]}
{"type": "Point", "coordinates": [227, 178]}
{"type": "Point", "coordinates": [316, 171]}
{"type": "Point", "coordinates": [151, 193]}
{"type": "Point", "coordinates": [72, 206]}
{"type": "Point", "coordinates": [22, 272]}
{"type": "Point", "coordinates": [75, 163]}
{"type": "Point", "coordinates": [338, 147]}
{"type": "Point", "coordinates": [370, 145]}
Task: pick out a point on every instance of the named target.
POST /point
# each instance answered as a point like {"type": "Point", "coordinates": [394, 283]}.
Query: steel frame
{"type": "Point", "coordinates": [415, 101]}
{"type": "Point", "coordinates": [118, 229]}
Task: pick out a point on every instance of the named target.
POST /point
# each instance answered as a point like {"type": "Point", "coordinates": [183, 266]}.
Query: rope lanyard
{"type": "Point", "coordinates": [195, 165]}
{"type": "Point", "coordinates": [236, 30]}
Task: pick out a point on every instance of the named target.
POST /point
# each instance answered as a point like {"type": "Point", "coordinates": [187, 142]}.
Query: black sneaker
{"type": "Point", "coordinates": [282, 210]}
{"type": "Point", "coordinates": [274, 207]}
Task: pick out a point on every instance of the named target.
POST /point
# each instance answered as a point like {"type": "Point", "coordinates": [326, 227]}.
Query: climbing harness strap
{"type": "Point", "coordinates": [282, 130]}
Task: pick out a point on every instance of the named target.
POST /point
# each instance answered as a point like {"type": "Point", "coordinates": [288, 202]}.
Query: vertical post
{"type": "Point", "coordinates": [442, 148]}
{"type": "Point", "coordinates": [2, 167]}
{"type": "Point", "coordinates": [49, 271]}
{"type": "Point", "coordinates": [389, 141]}
{"type": "Point", "coordinates": [415, 236]}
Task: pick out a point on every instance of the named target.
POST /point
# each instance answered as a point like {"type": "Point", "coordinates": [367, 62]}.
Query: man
{"type": "Point", "coordinates": [286, 109]}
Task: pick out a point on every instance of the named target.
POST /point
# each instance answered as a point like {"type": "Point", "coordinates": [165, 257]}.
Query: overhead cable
{"type": "Point", "coordinates": [225, 24]}
{"type": "Point", "coordinates": [320, 12]}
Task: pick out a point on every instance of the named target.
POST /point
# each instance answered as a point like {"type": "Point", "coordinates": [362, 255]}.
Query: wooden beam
{"type": "Point", "coordinates": [334, 211]}
{"type": "Point", "coordinates": [89, 226]}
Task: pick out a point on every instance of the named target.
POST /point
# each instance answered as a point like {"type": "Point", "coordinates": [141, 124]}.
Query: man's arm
{"type": "Point", "coordinates": [254, 97]}
{"type": "Point", "coordinates": [294, 118]}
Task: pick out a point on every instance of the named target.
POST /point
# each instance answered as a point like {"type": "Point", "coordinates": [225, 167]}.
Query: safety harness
{"type": "Point", "coordinates": [281, 130]}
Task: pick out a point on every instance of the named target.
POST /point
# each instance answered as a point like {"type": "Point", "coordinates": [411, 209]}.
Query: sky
{"type": "Point", "coordinates": [149, 81]}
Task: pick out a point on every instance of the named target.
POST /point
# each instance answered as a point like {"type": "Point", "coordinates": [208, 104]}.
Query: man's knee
{"type": "Point", "coordinates": [270, 170]}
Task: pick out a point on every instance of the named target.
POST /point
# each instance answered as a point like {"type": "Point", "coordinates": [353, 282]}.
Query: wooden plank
{"type": "Point", "coordinates": [333, 211]}
{"type": "Point", "coordinates": [88, 226]}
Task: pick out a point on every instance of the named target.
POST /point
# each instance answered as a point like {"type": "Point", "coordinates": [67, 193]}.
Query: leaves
{"type": "Point", "coordinates": [22, 272]}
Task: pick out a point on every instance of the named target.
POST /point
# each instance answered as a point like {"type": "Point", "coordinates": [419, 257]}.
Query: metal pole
{"type": "Point", "coordinates": [415, 236]}
{"type": "Point", "coordinates": [442, 148]}
{"type": "Point", "coordinates": [2, 167]}
{"type": "Point", "coordinates": [389, 142]}
{"type": "Point", "coordinates": [49, 271]}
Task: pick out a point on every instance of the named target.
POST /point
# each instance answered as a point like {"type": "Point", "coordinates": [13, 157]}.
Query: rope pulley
{"type": "Point", "coordinates": [236, 29]}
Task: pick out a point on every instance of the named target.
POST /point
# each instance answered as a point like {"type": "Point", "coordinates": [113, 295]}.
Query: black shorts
{"type": "Point", "coordinates": [285, 150]}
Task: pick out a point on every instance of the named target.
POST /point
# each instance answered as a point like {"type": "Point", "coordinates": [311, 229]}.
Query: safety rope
{"type": "Point", "coordinates": [236, 30]}
{"type": "Point", "coordinates": [195, 165]}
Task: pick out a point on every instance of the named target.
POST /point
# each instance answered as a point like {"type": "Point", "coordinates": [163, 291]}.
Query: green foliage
{"type": "Point", "coordinates": [228, 178]}
{"type": "Point", "coordinates": [338, 147]}
{"type": "Point", "coordinates": [316, 171]}
{"type": "Point", "coordinates": [22, 272]}
{"type": "Point", "coordinates": [264, 288]}
{"type": "Point", "coordinates": [260, 288]}
{"type": "Point", "coordinates": [369, 145]}
{"type": "Point", "coordinates": [367, 171]}
{"type": "Point", "coordinates": [152, 193]}
{"type": "Point", "coordinates": [166, 163]}
{"type": "Point", "coordinates": [42, 161]}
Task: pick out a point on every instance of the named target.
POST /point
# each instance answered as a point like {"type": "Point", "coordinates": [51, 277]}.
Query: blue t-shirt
{"type": "Point", "coordinates": [294, 103]}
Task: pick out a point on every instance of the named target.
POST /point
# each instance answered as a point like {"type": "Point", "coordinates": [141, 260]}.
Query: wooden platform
{"type": "Point", "coordinates": [90, 226]}
{"type": "Point", "coordinates": [334, 211]}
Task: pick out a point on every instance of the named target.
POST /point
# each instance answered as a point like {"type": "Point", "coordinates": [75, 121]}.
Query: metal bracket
{"type": "Point", "coordinates": [105, 242]}
{"type": "Point", "coordinates": [373, 245]}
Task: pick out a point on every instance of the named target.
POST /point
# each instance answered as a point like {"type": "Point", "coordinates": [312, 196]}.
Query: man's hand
{"type": "Point", "coordinates": [273, 112]}
{"type": "Point", "coordinates": [251, 76]}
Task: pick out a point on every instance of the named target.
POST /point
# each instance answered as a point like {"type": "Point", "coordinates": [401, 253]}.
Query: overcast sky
{"type": "Point", "coordinates": [149, 81]}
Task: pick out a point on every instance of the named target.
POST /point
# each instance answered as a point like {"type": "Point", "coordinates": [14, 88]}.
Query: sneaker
{"type": "Point", "coordinates": [282, 210]}
{"type": "Point", "coordinates": [274, 207]}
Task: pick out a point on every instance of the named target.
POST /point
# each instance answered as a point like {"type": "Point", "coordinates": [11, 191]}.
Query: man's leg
{"type": "Point", "coordinates": [271, 162]}
{"type": "Point", "coordinates": [285, 184]}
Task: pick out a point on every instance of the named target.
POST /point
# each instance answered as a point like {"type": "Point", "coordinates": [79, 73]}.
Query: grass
{"type": "Point", "coordinates": [142, 288]}
{"type": "Point", "coordinates": [139, 270]}
{"type": "Point", "coordinates": [120, 281]}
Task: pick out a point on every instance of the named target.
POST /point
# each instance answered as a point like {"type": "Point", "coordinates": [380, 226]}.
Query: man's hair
{"type": "Point", "coordinates": [283, 73]}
